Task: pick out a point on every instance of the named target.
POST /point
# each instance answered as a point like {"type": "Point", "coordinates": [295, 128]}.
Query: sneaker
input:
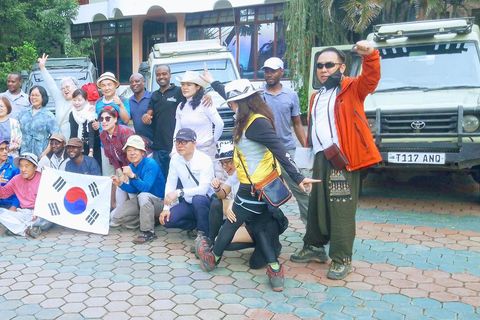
{"type": "Point", "coordinates": [203, 242]}
{"type": "Point", "coordinates": [339, 271]}
{"type": "Point", "coordinates": [34, 232]}
{"type": "Point", "coordinates": [276, 278]}
{"type": "Point", "coordinates": [133, 226]}
{"type": "Point", "coordinates": [207, 259]}
{"type": "Point", "coordinates": [308, 253]}
{"type": "Point", "coordinates": [145, 237]}
{"type": "Point", "coordinates": [114, 225]}
{"type": "Point", "coordinates": [191, 234]}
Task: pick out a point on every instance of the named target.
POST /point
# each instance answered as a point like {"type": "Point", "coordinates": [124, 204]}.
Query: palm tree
{"type": "Point", "coordinates": [355, 15]}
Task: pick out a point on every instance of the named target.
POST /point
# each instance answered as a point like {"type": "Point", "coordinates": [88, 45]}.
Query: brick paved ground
{"type": "Point", "coordinates": [414, 259]}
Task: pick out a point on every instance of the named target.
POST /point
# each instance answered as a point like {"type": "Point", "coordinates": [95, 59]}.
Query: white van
{"type": "Point", "coordinates": [191, 55]}
{"type": "Point", "coordinates": [425, 113]}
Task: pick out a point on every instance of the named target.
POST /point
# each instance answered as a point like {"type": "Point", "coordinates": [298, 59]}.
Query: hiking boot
{"type": "Point", "coordinates": [308, 253]}
{"type": "Point", "coordinates": [203, 242]}
{"type": "Point", "coordinates": [276, 278]}
{"type": "Point", "coordinates": [207, 259]}
{"type": "Point", "coordinates": [339, 271]}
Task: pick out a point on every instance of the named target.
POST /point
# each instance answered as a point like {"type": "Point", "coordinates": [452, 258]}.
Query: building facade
{"type": "Point", "coordinates": [123, 31]}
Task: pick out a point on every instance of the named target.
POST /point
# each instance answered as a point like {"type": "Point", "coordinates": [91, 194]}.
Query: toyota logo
{"type": "Point", "coordinates": [417, 125]}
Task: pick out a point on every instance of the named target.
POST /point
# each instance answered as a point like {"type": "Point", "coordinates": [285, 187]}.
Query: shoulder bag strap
{"type": "Point", "coordinates": [191, 174]}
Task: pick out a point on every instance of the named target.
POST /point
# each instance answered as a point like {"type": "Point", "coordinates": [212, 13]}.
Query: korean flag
{"type": "Point", "coordinates": [76, 201]}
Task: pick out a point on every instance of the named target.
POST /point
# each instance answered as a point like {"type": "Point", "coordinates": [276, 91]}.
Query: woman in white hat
{"type": "Point", "coordinates": [257, 148]}
{"type": "Point", "coordinates": [193, 114]}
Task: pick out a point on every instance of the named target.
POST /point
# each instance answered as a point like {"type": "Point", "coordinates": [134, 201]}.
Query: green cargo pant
{"type": "Point", "coordinates": [331, 209]}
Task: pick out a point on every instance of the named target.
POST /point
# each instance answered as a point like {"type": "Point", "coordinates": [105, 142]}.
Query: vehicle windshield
{"type": "Point", "coordinates": [221, 70]}
{"type": "Point", "coordinates": [431, 66]}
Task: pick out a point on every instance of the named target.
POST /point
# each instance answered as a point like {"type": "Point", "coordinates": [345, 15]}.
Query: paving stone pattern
{"type": "Point", "coordinates": [414, 259]}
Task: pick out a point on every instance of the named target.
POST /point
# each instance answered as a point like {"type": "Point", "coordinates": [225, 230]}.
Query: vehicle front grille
{"type": "Point", "coordinates": [229, 122]}
{"type": "Point", "coordinates": [426, 123]}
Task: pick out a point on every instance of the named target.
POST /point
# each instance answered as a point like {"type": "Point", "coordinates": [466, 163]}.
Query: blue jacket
{"type": "Point", "coordinates": [10, 172]}
{"type": "Point", "coordinates": [149, 179]}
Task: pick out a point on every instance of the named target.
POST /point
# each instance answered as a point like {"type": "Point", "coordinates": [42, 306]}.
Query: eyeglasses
{"type": "Point", "coordinates": [327, 65]}
{"type": "Point", "coordinates": [181, 142]}
{"type": "Point", "coordinates": [106, 119]}
{"type": "Point", "coordinates": [3, 149]}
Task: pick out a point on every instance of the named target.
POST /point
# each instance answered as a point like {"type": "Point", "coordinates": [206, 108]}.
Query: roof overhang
{"type": "Point", "coordinates": [112, 9]}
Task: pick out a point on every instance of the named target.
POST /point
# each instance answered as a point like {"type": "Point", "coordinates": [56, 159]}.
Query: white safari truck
{"type": "Point", "coordinates": [425, 113]}
{"type": "Point", "coordinates": [191, 56]}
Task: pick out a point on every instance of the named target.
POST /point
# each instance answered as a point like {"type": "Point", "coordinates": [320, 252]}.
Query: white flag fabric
{"type": "Point", "coordinates": [73, 200]}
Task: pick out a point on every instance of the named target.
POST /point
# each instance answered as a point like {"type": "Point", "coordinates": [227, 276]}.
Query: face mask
{"type": "Point", "coordinates": [333, 80]}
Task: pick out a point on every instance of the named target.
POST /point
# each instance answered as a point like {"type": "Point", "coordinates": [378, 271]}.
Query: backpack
{"type": "Point", "coordinates": [92, 91]}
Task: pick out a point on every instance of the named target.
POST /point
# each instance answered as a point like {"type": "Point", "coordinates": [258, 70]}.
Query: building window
{"type": "Point", "coordinates": [113, 45]}
{"type": "Point", "coordinates": [257, 35]}
{"type": "Point", "coordinates": [476, 14]}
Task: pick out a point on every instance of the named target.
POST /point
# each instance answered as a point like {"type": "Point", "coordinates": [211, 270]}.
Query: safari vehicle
{"type": "Point", "coordinates": [191, 55]}
{"type": "Point", "coordinates": [59, 68]}
{"type": "Point", "coordinates": [424, 114]}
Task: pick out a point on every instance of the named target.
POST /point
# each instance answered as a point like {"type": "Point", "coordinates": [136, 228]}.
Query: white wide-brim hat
{"type": "Point", "coordinates": [107, 76]}
{"type": "Point", "coordinates": [239, 89]}
{"type": "Point", "coordinates": [193, 77]}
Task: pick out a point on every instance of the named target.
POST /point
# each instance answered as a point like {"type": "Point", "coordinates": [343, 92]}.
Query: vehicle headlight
{"type": "Point", "coordinates": [470, 123]}
{"type": "Point", "coordinates": [372, 123]}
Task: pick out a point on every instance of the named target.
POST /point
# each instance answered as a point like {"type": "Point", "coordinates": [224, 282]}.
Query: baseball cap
{"type": "Point", "coordinates": [273, 63]}
{"type": "Point", "coordinates": [135, 141]}
{"type": "Point", "coordinates": [58, 136]}
{"type": "Point", "coordinates": [186, 134]}
{"type": "Point", "coordinates": [75, 142]}
{"type": "Point", "coordinates": [2, 140]}
{"type": "Point", "coordinates": [27, 156]}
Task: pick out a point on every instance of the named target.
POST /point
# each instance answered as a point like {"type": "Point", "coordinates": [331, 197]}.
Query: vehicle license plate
{"type": "Point", "coordinates": [416, 157]}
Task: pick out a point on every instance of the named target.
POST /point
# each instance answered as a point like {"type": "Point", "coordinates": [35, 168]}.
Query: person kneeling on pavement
{"type": "Point", "coordinates": [221, 209]}
{"type": "Point", "coordinates": [145, 179]}
{"type": "Point", "coordinates": [25, 185]}
{"type": "Point", "coordinates": [194, 169]}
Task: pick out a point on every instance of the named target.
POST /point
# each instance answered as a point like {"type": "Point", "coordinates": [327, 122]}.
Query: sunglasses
{"type": "Point", "coordinates": [327, 65]}
{"type": "Point", "coordinates": [106, 119]}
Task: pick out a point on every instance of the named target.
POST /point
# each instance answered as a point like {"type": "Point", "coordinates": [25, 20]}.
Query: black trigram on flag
{"type": "Point", "coordinates": [92, 217]}
{"type": "Point", "coordinates": [54, 209]}
{"type": "Point", "coordinates": [93, 189]}
{"type": "Point", "coordinates": [59, 184]}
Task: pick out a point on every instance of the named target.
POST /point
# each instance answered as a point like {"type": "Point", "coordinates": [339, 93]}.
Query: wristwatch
{"type": "Point", "coordinates": [180, 193]}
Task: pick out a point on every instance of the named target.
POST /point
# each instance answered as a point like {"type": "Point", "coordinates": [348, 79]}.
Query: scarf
{"type": "Point", "coordinates": [81, 116]}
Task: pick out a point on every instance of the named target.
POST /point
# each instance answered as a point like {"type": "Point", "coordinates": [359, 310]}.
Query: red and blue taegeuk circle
{"type": "Point", "coordinates": [75, 200]}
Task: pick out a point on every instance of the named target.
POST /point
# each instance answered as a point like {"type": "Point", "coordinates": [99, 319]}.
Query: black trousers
{"type": "Point", "coordinates": [259, 217]}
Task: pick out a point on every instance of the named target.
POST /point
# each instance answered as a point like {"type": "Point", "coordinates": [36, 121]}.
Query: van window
{"type": "Point", "coordinates": [429, 66]}
{"type": "Point", "coordinates": [222, 70]}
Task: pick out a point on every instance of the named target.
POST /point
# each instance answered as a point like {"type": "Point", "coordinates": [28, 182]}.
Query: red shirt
{"type": "Point", "coordinates": [113, 145]}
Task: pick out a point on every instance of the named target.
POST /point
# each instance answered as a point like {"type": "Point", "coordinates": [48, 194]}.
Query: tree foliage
{"type": "Point", "coordinates": [44, 21]}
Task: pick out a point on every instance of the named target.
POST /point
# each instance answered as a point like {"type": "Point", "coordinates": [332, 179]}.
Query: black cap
{"type": "Point", "coordinates": [186, 134]}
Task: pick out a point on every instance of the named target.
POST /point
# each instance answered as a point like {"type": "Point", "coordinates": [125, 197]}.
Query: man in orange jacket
{"type": "Point", "coordinates": [338, 130]}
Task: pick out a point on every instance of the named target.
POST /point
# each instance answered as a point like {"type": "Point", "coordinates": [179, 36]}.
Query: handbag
{"type": "Point", "coordinates": [336, 157]}
{"type": "Point", "coordinates": [271, 190]}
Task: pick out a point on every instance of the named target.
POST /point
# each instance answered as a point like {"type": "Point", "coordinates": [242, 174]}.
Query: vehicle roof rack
{"type": "Point", "coordinates": [425, 28]}
{"type": "Point", "coordinates": [185, 47]}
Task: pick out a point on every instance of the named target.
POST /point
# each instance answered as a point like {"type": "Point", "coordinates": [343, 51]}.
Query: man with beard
{"type": "Point", "coordinates": [80, 163]}
{"type": "Point", "coordinates": [342, 143]}
{"type": "Point", "coordinates": [57, 157]}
